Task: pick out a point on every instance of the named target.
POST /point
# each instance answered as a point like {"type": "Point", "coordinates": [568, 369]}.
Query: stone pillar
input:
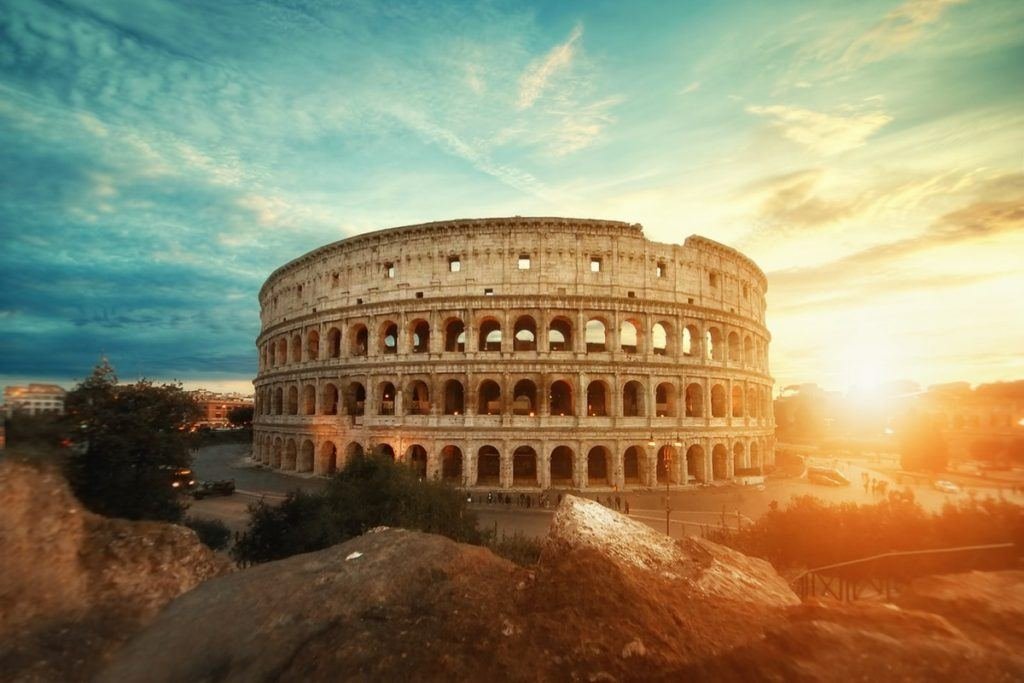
{"type": "Point", "coordinates": [651, 453]}
{"type": "Point", "coordinates": [505, 478]}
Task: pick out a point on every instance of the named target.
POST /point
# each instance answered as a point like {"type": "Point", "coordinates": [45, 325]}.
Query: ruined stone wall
{"type": "Point", "coordinates": [518, 352]}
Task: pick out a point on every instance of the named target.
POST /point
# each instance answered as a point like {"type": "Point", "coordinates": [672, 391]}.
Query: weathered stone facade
{"type": "Point", "coordinates": [518, 352]}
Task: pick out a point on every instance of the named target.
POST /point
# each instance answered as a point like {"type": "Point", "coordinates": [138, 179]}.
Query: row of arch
{"type": "Point", "coordinates": [562, 466]}
{"type": "Point", "coordinates": [518, 397]}
{"type": "Point", "coordinates": [712, 344]}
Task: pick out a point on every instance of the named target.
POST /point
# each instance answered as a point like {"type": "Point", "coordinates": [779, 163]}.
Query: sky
{"type": "Point", "coordinates": [160, 159]}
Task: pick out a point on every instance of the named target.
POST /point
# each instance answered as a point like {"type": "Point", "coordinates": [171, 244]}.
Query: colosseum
{"type": "Point", "coordinates": [518, 352]}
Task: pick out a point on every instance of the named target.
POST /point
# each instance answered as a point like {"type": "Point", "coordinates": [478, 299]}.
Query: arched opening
{"type": "Point", "coordinates": [278, 401]}
{"type": "Point", "coordinates": [293, 400]}
{"type": "Point", "coordinates": [334, 342]}
{"type": "Point", "coordinates": [454, 398]}
{"type": "Point", "coordinates": [633, 465]}
{"type": "Point", "coordinates": [389, 337]}
{"type": "Point", "coordinates": [665, 399]}
{"type": "Point", "coordinates": [296, 349]}
{"type": "Point", "coordinates": [355, 399]}
{"type": "Point", "coordinates": [291, 455]}
{"type": "Point", "coordinates": [561, 466]}
{"type": "Point", "coordinates": [713, 344]}
{"type": "Point", "coordinates": [659, 339]}
{"type": "Point", "coordinates": [694, 400]}
{"type": "Point", "coordinates": [718, 401]}
{"type": "Point", "coordinates": [359, 338]}
{"type": "Point", "coordinates": [719, 462]}
{"type": "Point", "coordinates": [524, 398]}
{"type": "Point", "coordinates": [488, 466]}
{"type": "Point", "coordinates": [386, 396]}
{"type": "Point", "coordinates": [691, 341]}
{"type": "Point", "coordinates": [735, 354]}
{"type": "Point", "coordinates": [328, 458]}
{"type": "Point", "coordinates": [695, 464]}
{"type": "Point", "coordinates": [596, 336]}
{"type": "Point", "coordinates": [313, 345]}
{"type": "Point", "coordinates": [277, 455]}
{"type": "Point", "coordinates": [633, 400]}
{"type": "Point", "coordinates": [418, 395]}
{"type": "Point", "coordinates": [384, 450]}
{"type": "Point", "coordinates": [305, 462]}
{"type": "Point", "coordinates": [597, 399]}
{"type": "Point", "coordinates": [628, 336]}
{"type": "Point", "coordinates": [282, 351]}
{"type": "Point", "coordinates": [455, 336]}
{"type": "Point", "coordinates": [667, 465]}
{"type": "Point", "coordinates": [737, 400]}
{"type": "Point", "coordinates": [451, 464]}
{"type": "Point", "coordinates": [353, 450]}
{"type": "Point", "coordinates": [490, 335]}
{"type": "Point", "coordinates": [420, 339]}
{"type": "Point", "coordinates": [525, 334]}
{"type": "Point", "coordinates": [748, 350]}
{"type": "Point", "coordinates": [599, 467]}
{"type": "Point", "coordinates": [309, 400]}
{"type": "Point", "coordinates": [524, 467]}
{"type": "Point", "coordinates": [329, 400]}
{"type": "Point", "coordinates": [560, 335]}
{"type": "Point", "coordinates": [752, 402]}
{"type": "Point", "coordinates": [560, 398]}
{"type": "Point", "coordinates": [416, 457]}
{"type": "Point", "coordinates": [489, 398]}
{"type": "Point", "coordinates": [738, 453]}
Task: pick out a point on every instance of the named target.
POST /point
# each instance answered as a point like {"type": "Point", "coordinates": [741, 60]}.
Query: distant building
{"type": "Point", "coordinates": [34, 399]}
{"type": "Point", "coordinates": [216, 407]}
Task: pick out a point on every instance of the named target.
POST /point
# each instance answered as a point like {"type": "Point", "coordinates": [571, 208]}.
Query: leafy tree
{"type": "Point", "coordinates": [213, 533]}
{"type": "Point", "coordinates": [46, 430]}
{"type": "Point", "coordinates": [240, 415]}
{"type": "Point", "coordinates": [129, 440]}
{"type": "Point", "coordinates": [372, 490]}
{"type": "Point", "coordinates": [922, 445]}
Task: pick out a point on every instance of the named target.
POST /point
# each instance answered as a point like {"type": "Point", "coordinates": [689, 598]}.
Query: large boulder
{"type": "Point", "coordinates": [610, 600]}
{"type": "Point", "coordinates": [73, 584]}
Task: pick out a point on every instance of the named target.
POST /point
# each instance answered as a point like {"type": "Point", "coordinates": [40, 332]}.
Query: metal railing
{"type": "Point", "coordinates": [883, 574]}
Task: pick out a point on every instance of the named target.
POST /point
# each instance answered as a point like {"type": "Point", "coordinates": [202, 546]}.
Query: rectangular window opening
{"type": "Point", "coordinates": [419, 295]}
{"type": "Point", "coordinates": [595, 264]}
{"type": "Point", "coordinates": [713, 279]}
{"type": "Point", "coordinates": [454, 264]}
{"type": "Point", "coordinates": [488, 292]}
{"type": "Point", "coordinates": [631, 295]}
{"type": "Point", "coordinates": [359, 301]}
{"type": "Point", "coordinates": [661, 269]}
{"type": "Point", "coordinates": [389, 271]}
{"type": "Point", "coordinates": [524, 262]}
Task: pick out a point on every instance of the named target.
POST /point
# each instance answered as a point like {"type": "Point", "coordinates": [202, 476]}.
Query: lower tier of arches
{"type": "Point", "coordinates": [620, 462]}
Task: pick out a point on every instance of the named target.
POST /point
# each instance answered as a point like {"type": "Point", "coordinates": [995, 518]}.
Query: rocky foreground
{"type": "Point", "coordinates": [610, 599]}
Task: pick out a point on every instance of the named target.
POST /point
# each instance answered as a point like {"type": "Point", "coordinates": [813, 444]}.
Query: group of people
{"type": "Point", "coordinates": [539, 500]}
{"type": "Point", "coordinates": [615, 503]}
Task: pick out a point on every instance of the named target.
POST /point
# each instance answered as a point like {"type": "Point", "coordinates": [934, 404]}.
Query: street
{"type": "Point", "coordinates": [691, 508]}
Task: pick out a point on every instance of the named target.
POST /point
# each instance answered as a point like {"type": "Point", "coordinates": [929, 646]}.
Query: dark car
{"type": "Point", "coordinates": [222, 487]}
{"type": "Point", "coordinates": [181, 478]}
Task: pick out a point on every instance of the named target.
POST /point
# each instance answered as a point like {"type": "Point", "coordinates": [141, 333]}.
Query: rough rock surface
{"type": "Point", "coordinates": [74, 584]}
{"type": "Point", "coordinates": [949, 627]}
{"type": "Point", "coordinates": [610, 599]}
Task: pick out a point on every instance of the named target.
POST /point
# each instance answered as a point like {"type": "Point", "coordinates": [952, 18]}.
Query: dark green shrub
{"type": "Point", "coordinates": [212, 532]}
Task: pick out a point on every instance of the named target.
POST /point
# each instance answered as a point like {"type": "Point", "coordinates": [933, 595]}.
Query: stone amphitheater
{"type": "Point", "coordinates": [518, 352]}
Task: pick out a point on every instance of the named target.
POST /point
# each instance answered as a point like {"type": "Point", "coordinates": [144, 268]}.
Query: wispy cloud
{"type": "Point", "coordinates": [824, 133]}
{"type": "Point", "coordinates": [789, 200]}
{"type": "Point", "coordinates": [896, 31]}
{"type": "Point", "coordinates": [535, 79]}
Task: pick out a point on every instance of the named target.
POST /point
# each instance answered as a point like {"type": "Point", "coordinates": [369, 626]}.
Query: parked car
{"type": "Point", "coordinates": [222, 487]}
{"type": "Point", "coordinates": [946, 486]}
{"type": "Point", "coordinates": [827, 476]}
{"type": "Point", "coordinates": [182, 478]}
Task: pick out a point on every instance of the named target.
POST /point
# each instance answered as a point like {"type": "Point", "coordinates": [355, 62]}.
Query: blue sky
{"type": "Point", "coordinates": [161, 158]}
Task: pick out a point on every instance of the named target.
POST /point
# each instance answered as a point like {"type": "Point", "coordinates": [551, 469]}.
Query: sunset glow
{"type": "Point", "coordinates": [161, 161]}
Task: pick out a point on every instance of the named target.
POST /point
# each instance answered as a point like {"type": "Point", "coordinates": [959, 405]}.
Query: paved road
{"type": "Point", "coordinates": [691, 508]}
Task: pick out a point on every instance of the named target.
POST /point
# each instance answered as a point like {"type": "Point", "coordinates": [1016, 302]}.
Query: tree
{"type": "Point", "coordinates": [240, 416]}
{"type": "Point", "coordinates": [129, 439]}
{"type": "Point", "coordinates": [372, 490]}
{"type": "Point", "coordinates": [922, 445]}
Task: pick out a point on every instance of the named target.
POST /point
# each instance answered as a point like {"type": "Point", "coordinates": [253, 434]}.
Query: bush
{"type": "Point", "coordinates": [519, 548]}
{"type": "Point", "coordinates": [810, 533]}
{"type": "Point", "coordinates": [212, 532]}
{"type": "Point", "coordinates": [371, 491]}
